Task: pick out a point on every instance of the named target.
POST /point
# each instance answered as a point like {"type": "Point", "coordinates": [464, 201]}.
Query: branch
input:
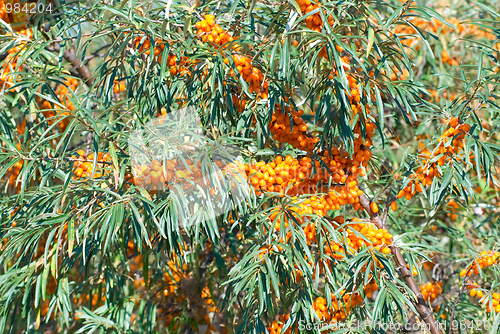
{"type": "Point", "coordinates": [70, 57]}
{"type": "Point", "coordinates": [423, 310]}
{"type": "Point", "coordinates": [82, 70]}
{"type": "Point", "coordinates": [462, 290]}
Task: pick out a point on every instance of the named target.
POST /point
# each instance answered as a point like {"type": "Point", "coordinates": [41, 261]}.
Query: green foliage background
{"type": "Point", "coordinates": [101, 217]}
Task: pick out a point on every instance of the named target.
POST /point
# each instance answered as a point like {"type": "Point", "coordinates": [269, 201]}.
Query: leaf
{"type": "Point", "coordinates": [114, 158]}
{"type": "Point", "coordinates": [487, 8]}
{"type": "Point", "coordinates": [71, 237]}
{"type": "Point", "coordinates": [272, 276]}
{"type": "Point", "coordinates": [371, 37]}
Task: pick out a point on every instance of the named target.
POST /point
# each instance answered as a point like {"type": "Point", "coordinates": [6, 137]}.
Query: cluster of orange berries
{"type": "Point", "coordinates": [281, 174]}
{"type": "Point", "coordinates": [119, 86]}
{"type": "Point", "coordinates": [332, 250]}
{"type": "Point", "coordinates": [370, 236]}
{"type": "Point", "coordinates": [21, 128]}
{"type": "Point", "coordinates": [153, 174]}
{"type": "Point", "coordinates": [240, 104]}
{"type": "Point", "coordinates": [310, 233]}
{"type": "Point", "coordinates": [51, 289]}
{"type": "Point", "coordinates": [44, 308]}
{"type": "Point", "coordinates": [63, 92]}
{"type": "Point", "coordinates": [251, 74]}
{"type": "Point", "coordinates": [95, 301]}
{"type": "Point", "coordinates": [211, 32]}
{"type": "Point", "coordinates": [445, 58]}
{"type": "Point", "coordinates": [370, 288]}
{"type": "Point", "coordinates": [172, 292]}
{"type": "Point", "coordinates": [9, 66]}
{"type": "Point", "coordinates": [339, 309]}
{"type": "Point", "coordinates": [323, 53]}
{"type": "Point", "coordinates": [396, 74]}
{"type": "Point", "coordinates": [354, 96]}
{"type": "Point", "coordinates": [495, 303]}
{"type": "Point", "coordinates": [486, 259]}
{"type": "Point", "coordinates": [3, 11]}
{"type": "Point", "coordinates": [450, 144]}
{"type": "Point", "coordinates": [429, 265]}
{"type": "Point", "coordinates": [170, 281]}
{"type": "Point", "coordinates": [209, 302]}
{"type": "Point", "coordinates": [415, 184]}
{"type": "Point", "coordinates": [378, 238]}
{"type": "Point", "coordinates": [135, 261]}
{"type": "Point", "coordinates": [83, 169]}
{"type": "Point", "coordinates": [277, 175]}
{"type": "Point", "coordinates": [475, 291]}
{"type": "Point", "coordinates": [145, 47]}
{"type": "Point", "coordinates": [453, 208]}
{"type": "Point", "coordinates": [313, 21]}
{"type": "Point", "coordinates": [452, 140]}
{"type": "Point", "coordinates": [434, 26]}
{"type": "Point", "coordinates": [277, 326]}
{"type": "Point", "coordinates": [174, 274]}
{"type": "Point", "coordinates": [211, 328]}
{"type": "Point", "coordinates": [13, 173]}
{"type": "Point", "coordinates": [178, 66]}
{"type": "Point", "coordinates": [444, 93]}
{"type": "Point", "coordinates": [181, 67]}
{"type": "Point", "coordinates": [293, 177]}
{"type": "Point", "coordinates": [353, 90]}
{"type": "Point", "coordinates": [431, 291]}
{"type": "Point", "coordinates": [283, 132]}
{"type": "Point", "coordinates": [156, 177]}
{"type": "Point", "coordinates": [18, 21]}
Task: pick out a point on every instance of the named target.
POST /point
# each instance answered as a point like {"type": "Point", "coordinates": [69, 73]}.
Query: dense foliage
{"type": "Point", "coordinates": [249, 166]}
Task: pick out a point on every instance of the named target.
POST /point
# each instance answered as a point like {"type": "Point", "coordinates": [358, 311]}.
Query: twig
{"type": "Point", "coordinates": [82, 70]}
{"type": "Point", "coordinates": [71, 37]}
{"type": "Point", "coordinates": [429, 220]}
{"type": "Point", "coordinates": [218, 6]}
{"type": "Point", "coordinates": [423, 310]}
{"type": "Point", "coordinates": [89, 58]}
{"type": "Point", "coordinates": [387, 206]}
{"type": "Point", "coordinates": [469, 100]}
{"type": "Point", "coordinates": [194, 11]}
{"type": "Point", "coordinates": [462, 290]}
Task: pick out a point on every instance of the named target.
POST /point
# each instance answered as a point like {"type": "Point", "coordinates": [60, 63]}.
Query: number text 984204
{"type": "Point", "coordinates": [29, 8]}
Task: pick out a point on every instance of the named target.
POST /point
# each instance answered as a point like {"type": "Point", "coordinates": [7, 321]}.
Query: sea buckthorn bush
{"type": "Point", "coordinates": [259, 166]}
